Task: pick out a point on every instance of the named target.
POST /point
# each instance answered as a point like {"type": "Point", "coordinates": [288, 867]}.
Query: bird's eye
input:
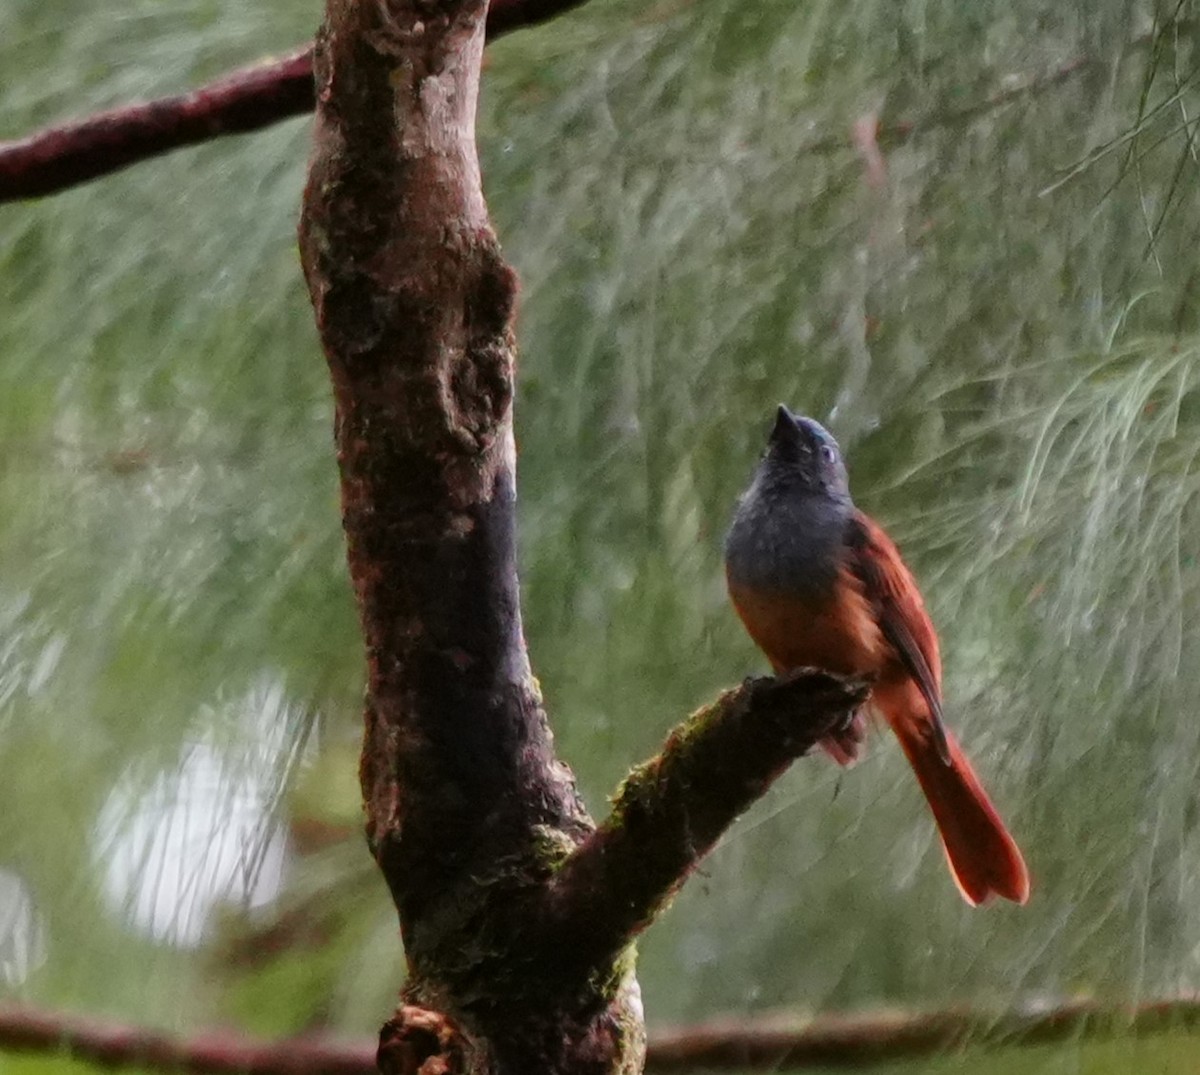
{"type": "Point", "coordinates": [828, 453]}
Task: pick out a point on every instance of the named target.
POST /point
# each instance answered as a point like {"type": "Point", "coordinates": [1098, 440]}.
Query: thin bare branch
{"type": "Point", "coordinates": [851, 1042]}
{"type": "Point", "coordinates": [73, 153]}
{"type": "Point", "coordinates": [117, 1045]}
{"type": "Point", "coordinates": [768, 1043]}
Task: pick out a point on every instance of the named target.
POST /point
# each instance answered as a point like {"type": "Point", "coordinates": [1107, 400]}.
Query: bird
{"type": "Point", "coordinates": [817, 583]}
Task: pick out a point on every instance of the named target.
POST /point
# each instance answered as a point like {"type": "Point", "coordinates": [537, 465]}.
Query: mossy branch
{"type": "Point", "coordinates": [670, 811]}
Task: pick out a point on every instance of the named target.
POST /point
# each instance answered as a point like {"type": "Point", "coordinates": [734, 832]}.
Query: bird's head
{"type": "Point", "coordinates": [802, 453]}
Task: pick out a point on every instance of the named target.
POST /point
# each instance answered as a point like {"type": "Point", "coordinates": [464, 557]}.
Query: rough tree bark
{"type": "Point", "coordinates": [517, 915]}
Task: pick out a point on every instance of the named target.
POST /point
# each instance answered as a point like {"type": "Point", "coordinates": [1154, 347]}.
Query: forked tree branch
{"type": "Point", "coordinates": [248, 99]}
{"type": "Point", "coordinates": [517, 917]}
{"type": "Point", "coordinates": [764, 1043]}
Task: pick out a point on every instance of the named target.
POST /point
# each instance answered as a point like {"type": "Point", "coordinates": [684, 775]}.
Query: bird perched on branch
{"type": "Point", "coordinates": [818, 584]}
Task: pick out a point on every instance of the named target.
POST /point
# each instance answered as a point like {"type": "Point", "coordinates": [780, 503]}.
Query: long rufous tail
{"type": "Point", "coordinates": [984, 859]}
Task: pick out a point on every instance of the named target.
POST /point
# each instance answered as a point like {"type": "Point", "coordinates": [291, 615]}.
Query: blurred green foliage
{"type": "Point", "coordinates": [1004, 337]}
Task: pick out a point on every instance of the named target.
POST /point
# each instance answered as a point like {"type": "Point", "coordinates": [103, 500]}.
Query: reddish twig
{"type": "Point", "coordinates": [248, 99]}
{"type": "Point", "coordinates": [850, 1042]}
{"type": "Point", "coordinates": [73, 153]}
{"type": "Point", "coordinates": [763, 1043]}
{"type": "Point", "coordinates": [115, 1045]}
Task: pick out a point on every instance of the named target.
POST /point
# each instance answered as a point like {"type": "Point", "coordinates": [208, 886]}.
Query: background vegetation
{"type": "Point", "coordinates": [1004, 338]}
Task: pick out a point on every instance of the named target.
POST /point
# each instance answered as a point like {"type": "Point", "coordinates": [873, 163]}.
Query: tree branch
{"type": "Point", "coordinates": [516, 917]}
{"type": "Point", "coordinates": [854, 1042]}
{"type": "Point", "coordinates": [516, 914]}
{"type": "Point", "coordinates": [73, 153]}
{"type": "Point", "coordinates": [670, 811]}
{"type": "Point", "coordinates": [766, 1043]}
{"type": "Point", "coordinates": [117, 1045]}
{"type": "Point", "coordinates": [414, 304]}
{"type": "Point", "coordinates": [467, 808]}
{"type": "Point", "coordinates": [69, 154]}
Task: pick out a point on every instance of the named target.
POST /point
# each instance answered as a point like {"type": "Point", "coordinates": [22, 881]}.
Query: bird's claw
{"type": "Point", "coordinates": [825, 698]}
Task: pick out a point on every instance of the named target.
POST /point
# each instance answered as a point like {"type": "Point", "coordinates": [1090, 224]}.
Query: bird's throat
{"type": "Point", "coordinates": [791, 543]}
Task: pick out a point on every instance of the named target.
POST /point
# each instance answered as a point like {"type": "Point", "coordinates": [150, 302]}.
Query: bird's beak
{"type": "Point", "coordinates": [785, 424]}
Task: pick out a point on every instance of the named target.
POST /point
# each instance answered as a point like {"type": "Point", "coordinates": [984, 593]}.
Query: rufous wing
{"type": "Point", "coordinates": [901, 614]}
{"type": "Point", "coordinates": [984, 859]}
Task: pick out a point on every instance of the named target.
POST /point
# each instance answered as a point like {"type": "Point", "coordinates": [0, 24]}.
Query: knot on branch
{"type": "Point", "coordinates": [480, 387]}
{"type": "Point", "coordinates": [417, 1041]}
{"type": "Point", "coordinates": [393, 28]}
